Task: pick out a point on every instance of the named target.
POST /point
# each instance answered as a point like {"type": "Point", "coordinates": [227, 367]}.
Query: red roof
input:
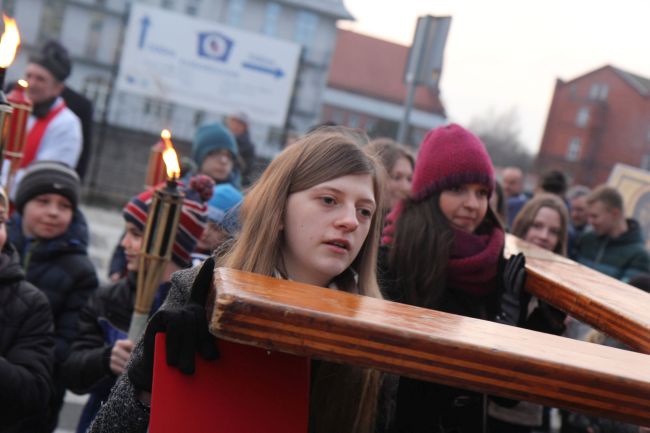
{"type": "Point", "coordinates": [374, 67]}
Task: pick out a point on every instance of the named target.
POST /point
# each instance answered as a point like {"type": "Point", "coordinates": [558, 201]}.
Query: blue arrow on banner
{"type": "Point", "coordinates": [276, 72]}
{"type": "Point", "coordinates": [146, 21]}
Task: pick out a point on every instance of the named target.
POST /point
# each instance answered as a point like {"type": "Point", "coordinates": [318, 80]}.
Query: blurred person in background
{"type": "Point", "coordinates": [398, 163]}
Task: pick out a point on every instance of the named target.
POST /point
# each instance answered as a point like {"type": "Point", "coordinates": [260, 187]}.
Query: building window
{"type": "Point", "coordinates": [192, 7]}
{"type": "Point", "coordinates": [273, 11]}
{"type": "Point", "coordinates": [51, 20]}
{"type": "Point", "coordinates": [583, 117]}
{"type": "Point", "coordinates": [598, 92]}
{"type": "Point", "coordinates": [94, 36]}
{"type": "Point", "coordinates": [645, 162]}
{"type": "Point", "coordinates": [573, 151]}
{"type": "Point", "coordinates": [199, 118]}
{"type": "Point", "coordinates": [353, 120]}
{"type": "Point", "coordinates": [168, 4]}
{"type": "Point", "coordinates": [235, 12]}
{"type": "Point", "coordinates": [96, 89]}
{"type": "Point", "coordinates": [370, 124]}
{"type": "Point", "coordinates": [9, 7]}
{"type": "Point", "coordinates": [306, 25]}
{"type": "Point", "coordinates": [337, 116]}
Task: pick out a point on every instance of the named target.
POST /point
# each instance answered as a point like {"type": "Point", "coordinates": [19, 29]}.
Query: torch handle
{"type": "Point", "coordinates": [138, 325]}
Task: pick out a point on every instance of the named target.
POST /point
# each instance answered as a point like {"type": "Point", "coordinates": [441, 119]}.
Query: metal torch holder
{"type": "Point", "coordinates": [157, 244]}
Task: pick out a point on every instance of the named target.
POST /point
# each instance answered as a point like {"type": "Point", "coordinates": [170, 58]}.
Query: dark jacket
{"type": "Point", "coordinates": [26, 349]}
{"type": "Point", "coordinates": [103, 320]}
{"type": "Point", "coordinates": [59, 267]}
{"type": "Point", "coordinates": [621, 258]}
{"type": "Point", "coordinates": [435, 408]}
{"type": "Point", "coordinates": [82, 107]}
{"type": "Point", "coordinates": [426, 407]}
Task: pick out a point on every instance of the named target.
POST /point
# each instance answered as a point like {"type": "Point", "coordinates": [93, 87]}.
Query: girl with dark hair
{"type": "Point", "coordinates": [312, 217]}
{"type": "Point", "coordinates": [443, 250]}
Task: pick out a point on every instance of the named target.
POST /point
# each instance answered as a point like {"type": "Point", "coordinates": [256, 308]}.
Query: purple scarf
{"type": "Point", "coordinates": [473, 261]}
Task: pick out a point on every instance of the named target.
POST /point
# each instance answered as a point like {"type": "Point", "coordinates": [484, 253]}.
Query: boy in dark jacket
{"type": "Point", "coordinates": [26, 343]}
{"type": "Point", "coordinates": [101, 350]}
{"type": "Point", "coordinates": [51, 236]}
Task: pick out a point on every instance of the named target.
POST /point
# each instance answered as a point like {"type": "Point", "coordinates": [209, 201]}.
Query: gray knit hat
{"type": "Point", "coordinates": [48, 177]}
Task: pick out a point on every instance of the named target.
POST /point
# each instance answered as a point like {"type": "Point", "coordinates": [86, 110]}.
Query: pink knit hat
{"type": "Point", "coordinates": [450, 156]}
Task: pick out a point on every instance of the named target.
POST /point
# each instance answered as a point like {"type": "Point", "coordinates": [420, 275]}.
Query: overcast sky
{"type": "Point", "coordinates": [505, 54]}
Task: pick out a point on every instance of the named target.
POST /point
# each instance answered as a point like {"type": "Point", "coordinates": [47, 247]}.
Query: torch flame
{"type": "Point", "coordinates": [23, 83]}
{"type": "Point", "coordinates": [169, 156]}
{"type": "Point", "coordinates": [9, 42]}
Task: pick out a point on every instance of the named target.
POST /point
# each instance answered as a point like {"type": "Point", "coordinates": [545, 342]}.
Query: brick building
{"type": "Point", "coordinates": [595, 121]}
{"type": "Point", "coordinates": [365, 89]}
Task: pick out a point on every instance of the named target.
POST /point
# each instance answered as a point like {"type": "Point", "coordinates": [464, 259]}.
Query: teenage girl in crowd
{"type": "Point", "coordinates": [399, 164]}
{"type": "Point", "coordinates": [443, 250]}
{"type": "Point", "coordinates": [313, 217]}
{"type": "Point", "coordinates": [543, 221]}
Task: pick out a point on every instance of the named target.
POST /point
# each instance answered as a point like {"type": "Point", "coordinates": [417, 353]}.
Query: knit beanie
{"type": "Point", "coordinates": [450, 156]}
{"type": "Point", "coordinates": [192, 221]}
{"type": "Point", "coordinates": [212, 137]}
{"type": "Point", "coordinates": [225, 196]}
{"type": "Point", "coordinates": [55, 58]}
{"type": "Point", "coordinates": [48, 177]}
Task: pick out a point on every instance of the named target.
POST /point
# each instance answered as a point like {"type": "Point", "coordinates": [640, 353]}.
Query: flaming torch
{"type": "Point", "coordinates": [13, 152]}
{"type": "Point", "coordinates": [156, 171]}
{"type": "Point", "coordinates": [158, 239]}
{"type": "Point", "coordinates": [9, 43]}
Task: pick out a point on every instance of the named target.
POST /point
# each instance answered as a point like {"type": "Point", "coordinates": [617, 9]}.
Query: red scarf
{"type": "Point", "coordinates": [35, 134]}
{"type": "Point", "coordinates": [473, 261]}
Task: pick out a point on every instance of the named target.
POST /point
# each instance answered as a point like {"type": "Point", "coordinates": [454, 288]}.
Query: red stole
{"type": "Point", "coordinates": [35, 134]}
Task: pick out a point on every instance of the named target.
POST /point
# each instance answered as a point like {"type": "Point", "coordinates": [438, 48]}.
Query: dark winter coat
{"type": "Point", "coordinates": [61, 269]}
{"type": "Point", "coordinates": [430, 407]}
{"type": "Point", "coordinates": [103, 320]}
{"type": "Point", "coordinates": [621, 258]}
{"type": "Point", "coordinates": [26, 349]}
{"type": "Point", "coordinates": [425, 407]}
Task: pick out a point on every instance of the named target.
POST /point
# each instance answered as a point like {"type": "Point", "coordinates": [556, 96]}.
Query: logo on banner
{"type": "Point", "coordinates": [214, 46]}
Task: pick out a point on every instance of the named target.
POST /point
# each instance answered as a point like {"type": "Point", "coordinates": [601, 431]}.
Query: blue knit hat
{"type": "Point", "coordinates": [225, 196]}
{"type": "Point", "coordinates": [211, 137]}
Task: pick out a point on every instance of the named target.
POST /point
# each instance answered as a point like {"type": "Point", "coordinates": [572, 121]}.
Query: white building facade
{"type": "Point", "coordinates": [93, 31]}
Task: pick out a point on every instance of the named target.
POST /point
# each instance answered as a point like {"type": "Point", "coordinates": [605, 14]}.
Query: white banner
{"type": "Point", "coordinates": [207, 66]}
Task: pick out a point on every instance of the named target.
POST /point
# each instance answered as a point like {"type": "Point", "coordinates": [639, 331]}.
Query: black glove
{"type": "Point", "coordinates": [186, 331]}
{"type": "Point", "coordinates": [514, 299]}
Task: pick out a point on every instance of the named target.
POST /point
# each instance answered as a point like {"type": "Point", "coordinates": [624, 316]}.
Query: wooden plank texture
{"type": "Point", "coordinates": [474, 354]}
{"type": "Point", "coordinates": [616, 308]}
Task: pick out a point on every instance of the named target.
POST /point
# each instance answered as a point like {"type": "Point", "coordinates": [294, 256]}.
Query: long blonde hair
{"type": "Point", "coordinates": [322, 155]}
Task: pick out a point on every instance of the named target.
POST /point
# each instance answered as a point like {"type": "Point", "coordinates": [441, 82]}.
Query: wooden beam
{"type": "Point", "coordinates": [483, 356]}
{"type": "Point", "coordinates": [616, 308]}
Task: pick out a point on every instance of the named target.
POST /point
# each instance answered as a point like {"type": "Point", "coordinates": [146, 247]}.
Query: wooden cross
{"type": "Point", "coordinates": [285, 317]}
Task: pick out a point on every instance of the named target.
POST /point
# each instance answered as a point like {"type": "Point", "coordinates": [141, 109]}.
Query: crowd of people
{"type": "Point", "coordinates": [334, 210]}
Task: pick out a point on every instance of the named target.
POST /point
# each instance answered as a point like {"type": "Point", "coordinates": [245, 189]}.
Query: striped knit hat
{"type": "Point", "coordinates": [193, 218]}
{"type": "Point", "coordinates": [450, 156]}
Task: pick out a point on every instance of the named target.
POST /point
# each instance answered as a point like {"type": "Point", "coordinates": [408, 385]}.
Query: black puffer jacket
{"type": "Point", "coordinates": [60, 267]}
{"type": "Point", "coordinates": [103, 320]}
{"type": "Point", "coordinates": [26, 349]}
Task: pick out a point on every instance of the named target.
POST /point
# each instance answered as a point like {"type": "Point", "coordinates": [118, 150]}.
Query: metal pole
{"type": "Point", "coordinates": [411, 76]}
{"type": "Point", "coordinates": [403, 126]}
